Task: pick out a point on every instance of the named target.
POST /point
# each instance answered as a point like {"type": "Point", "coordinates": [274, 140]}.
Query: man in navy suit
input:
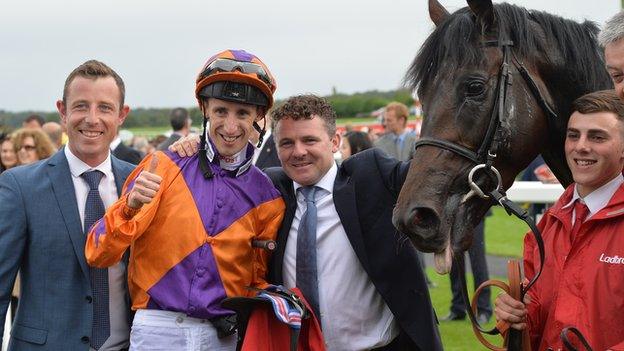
{"type": "Point", "coordinates": [43, 211]}
{"type": "Point", "coordinates": [371, 290]}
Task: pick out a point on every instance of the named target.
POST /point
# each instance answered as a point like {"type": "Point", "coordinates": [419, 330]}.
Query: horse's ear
{"type": "Point", "coordinates": [437, 12]}
{"type": "Point", "coordinates": [484, 11]}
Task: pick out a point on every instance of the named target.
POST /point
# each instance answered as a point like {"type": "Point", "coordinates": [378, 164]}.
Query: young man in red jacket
{"type": "Point", "coordinates": [581, 284]}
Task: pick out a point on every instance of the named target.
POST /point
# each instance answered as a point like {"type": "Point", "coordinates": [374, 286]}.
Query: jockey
{"type": "Point", "coordinates": [190, 222]}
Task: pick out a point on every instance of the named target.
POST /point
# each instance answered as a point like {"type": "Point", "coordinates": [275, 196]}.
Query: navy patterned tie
{"type": "Point", "coordinates": [94, 210]}
{"type": "Point", "coordinates": [307, 277]}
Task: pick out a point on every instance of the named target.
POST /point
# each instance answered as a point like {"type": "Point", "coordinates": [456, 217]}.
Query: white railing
{"type": "Point", "coordinates": [536, 192]}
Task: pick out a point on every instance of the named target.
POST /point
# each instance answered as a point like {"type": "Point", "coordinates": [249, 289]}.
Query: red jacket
{"type": "Point", "coordinates": [582, 284]}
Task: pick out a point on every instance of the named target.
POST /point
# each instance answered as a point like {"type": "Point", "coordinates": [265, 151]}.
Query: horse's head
{"type": "Point", "coordinates": [472, 109]}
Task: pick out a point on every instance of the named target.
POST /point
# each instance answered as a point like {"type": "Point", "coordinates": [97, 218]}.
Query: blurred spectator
{"type": "Point", "coordinates": [33, 121]}
{"type": "Point", "coordinates": [157, 140]}
{"type": "Point", "coordinates": [398, 142]}
{"type": "Point", "coordinates": [142, 145]}
{"type": "Point", "coordinates": [180, 123]}
{"type": "Point", "coordinates": [55, 132]}
{"type": "Point", "coordinates": [480, 274]}
{"type": "Point", "coordinates": [123, 152]}
{"type": "Point", "coordinates": [31, 145]}
{"type": "Point", "coordinates": [354, 142]}
{"type": "Point", "coordinates": [8, 157]}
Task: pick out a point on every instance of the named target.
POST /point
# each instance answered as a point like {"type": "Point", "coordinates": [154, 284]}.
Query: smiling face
{"type": "Point", "coordinates": [305, 148]}
{"type": "Point", "coordinates": [231, 124]}
{"type": "Point", "coordinates": [91, 115]}
{"type": "Point", "coordinates": [594, 148]}
{"type": "Point", "coordinates": [8, 157]}
{"type": "Point", "coordinates": [28, 151]}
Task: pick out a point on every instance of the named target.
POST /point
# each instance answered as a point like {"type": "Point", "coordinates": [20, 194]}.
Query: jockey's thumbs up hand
{"type": "Point", "coordinates": [146, 185]}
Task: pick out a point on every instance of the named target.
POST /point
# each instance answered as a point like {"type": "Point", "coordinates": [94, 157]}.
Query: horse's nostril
{"type": "Point", "coordinates": [424, 217]}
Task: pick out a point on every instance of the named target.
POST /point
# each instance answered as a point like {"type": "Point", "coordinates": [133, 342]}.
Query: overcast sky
{"type": "Point", "coordinates": [159, 46]}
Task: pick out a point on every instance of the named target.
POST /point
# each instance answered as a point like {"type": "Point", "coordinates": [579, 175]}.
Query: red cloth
{"type": "Point", "coordinates": [580, 213]}
{"type": "Point", "coordinates": [266, 333]}
{"type": "Point", "coordinates": [582, 282]}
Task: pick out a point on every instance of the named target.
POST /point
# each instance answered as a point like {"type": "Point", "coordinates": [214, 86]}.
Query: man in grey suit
{"type": "Point", "coordinates": [398, 143]}
{"type": "Point", "coordinates": [181, 124]}
{"type": "Point", "coordinates": [44, 209]}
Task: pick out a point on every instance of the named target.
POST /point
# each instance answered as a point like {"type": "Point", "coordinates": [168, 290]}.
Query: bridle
{"type": "Point", "coordinates": [484, 158]}
{"type": "Point", "coordinates": [489, 147]}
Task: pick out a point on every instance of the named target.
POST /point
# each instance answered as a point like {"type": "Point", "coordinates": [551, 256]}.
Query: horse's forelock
{"type": "Point", "coordinates": [454, 43]}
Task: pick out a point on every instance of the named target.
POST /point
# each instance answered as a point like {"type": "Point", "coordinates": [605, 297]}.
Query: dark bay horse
{"type": "Point", "coordinates": [459, 77]}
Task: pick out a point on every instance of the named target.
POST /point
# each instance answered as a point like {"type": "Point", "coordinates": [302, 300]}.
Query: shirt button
{"type": "Point", "coordinates": [89, 299]}
{"type": "Point", "coordinates": [179, 319]}
{"type": "Point", "coordinates": [219, 203]}
{"type": "Point", "coordinates": [222, 173]}
{"type": "Point", "coordinates": [200, 272]}
{"type": "Point", "coordinates": [192, 309]}
{"type": "Point", "coordinates": [85, 339]}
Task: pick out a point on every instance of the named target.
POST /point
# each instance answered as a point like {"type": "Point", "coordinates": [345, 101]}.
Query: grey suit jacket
{"type": "Point", "coordinates": [388, 144]}
{"type": "Point", "coordinates": [41, 235]}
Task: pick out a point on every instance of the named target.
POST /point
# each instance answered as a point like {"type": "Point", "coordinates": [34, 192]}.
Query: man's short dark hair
{"type": "Point", "coordinates": [36, 118]}
{"type": "Point", "coordinates": [600, 101]}
{"type": "Point", "coordinates": [306, 107]}
{"type": "Point", "coordinates": [178, 118]}
{"type": "Point", "coordinates": [94, 69]}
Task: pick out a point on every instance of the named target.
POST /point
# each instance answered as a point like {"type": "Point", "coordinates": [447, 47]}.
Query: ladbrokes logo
{"type": "Point", "coordinates": [611, 259]}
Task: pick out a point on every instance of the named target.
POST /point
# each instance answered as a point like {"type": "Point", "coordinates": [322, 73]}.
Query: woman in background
{"type": "Point", "coordinates": [354, 142]}
{"type": "Point", "coordinates": [31, 145]}
{"type": "Point", "coordinates": [8, 157]}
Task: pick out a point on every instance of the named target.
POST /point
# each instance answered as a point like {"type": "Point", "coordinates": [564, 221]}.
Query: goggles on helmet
{"type": "Point", "coordinates": [236, 66]}
{"type": "Point", "coordinates": [229, 65]}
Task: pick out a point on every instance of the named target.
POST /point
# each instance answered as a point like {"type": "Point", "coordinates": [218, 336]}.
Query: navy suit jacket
{"type": "Point", "coordinates": [128, 154]}
{"type": "Point", "coordinates": [365, 192]}
{"type": "Point", "coordinates": [41, 236]}
{"type": "Point", "coordinates": [268, 155]}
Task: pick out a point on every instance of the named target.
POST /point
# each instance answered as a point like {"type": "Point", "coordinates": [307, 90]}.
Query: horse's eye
{"type": "Point", "coordinates": [474, 88]}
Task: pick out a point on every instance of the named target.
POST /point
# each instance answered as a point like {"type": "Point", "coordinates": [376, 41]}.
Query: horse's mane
{"type": "Point", "coordinates": [453, 44]}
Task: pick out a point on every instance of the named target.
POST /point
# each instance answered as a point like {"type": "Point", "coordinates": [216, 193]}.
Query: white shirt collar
{"type": "Point", "coordinates": [599, 198]}
{"type": "Point", "coordinates": [326, 182]}
{"type": "Point", "coordinates": [115, 143]}
{"type": "Point", "coordinates": [77, 166]}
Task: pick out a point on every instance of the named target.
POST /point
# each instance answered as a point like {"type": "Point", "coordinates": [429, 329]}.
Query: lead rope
{"type": "Point", "coordinates": [515, 340]}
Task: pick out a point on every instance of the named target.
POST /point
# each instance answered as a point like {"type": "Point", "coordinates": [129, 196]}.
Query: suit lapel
{"type": "Point", "coordinates": [119, 174]}
{"type": "Point", "coordinates": [344, 200]}
{"type": "Point", "coordinates": [63, 188]}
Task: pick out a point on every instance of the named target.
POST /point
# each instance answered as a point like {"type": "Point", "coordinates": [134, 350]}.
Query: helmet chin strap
{"type": "Point", "coordinates": [261, 131]}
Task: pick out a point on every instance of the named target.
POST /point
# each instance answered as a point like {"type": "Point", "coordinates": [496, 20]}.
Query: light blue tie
{"type": "Point", "coordinates": [307, 277]}
{"type": "Point", "coordinates": [94, 210]}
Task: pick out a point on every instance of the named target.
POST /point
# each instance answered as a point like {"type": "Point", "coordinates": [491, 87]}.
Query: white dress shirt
{"type": "Point", "coordinates": [118, 308]}
{"type": "Point", "coordinates": [353, 314]}
{"type": "Point", "coordinates": [597, 199]}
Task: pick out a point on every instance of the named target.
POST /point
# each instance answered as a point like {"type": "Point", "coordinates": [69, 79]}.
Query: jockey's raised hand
{"type": "Point", "coordinates": [186, 146]}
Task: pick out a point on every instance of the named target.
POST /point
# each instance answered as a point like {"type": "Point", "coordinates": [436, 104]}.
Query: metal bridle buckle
{"type": "Point", "coordinates": [474, 185]}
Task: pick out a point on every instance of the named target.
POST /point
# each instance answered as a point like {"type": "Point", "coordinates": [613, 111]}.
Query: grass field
{"type": "Point", "coordinates": [504, 234]}
{"type": "Point", "coordinates": [456, 335]}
